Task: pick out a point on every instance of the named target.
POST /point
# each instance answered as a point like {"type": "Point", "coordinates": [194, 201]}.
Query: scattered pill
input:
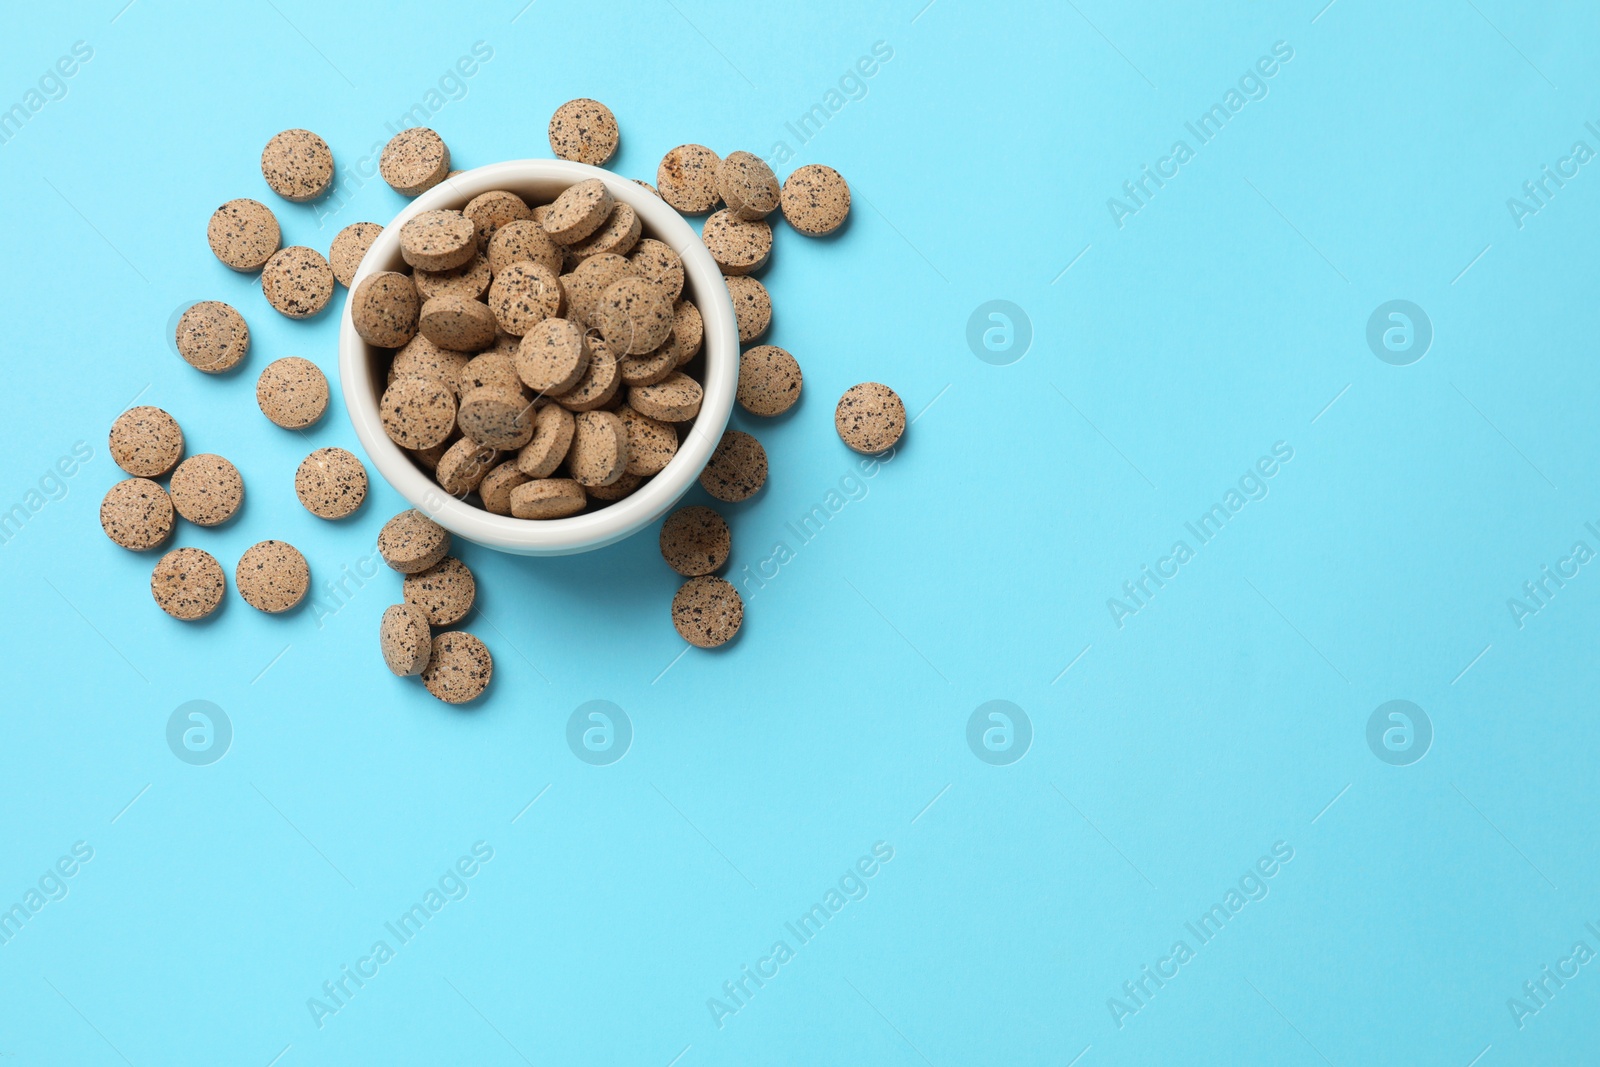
{"type": "Point", "coordinates": [695, 541]}
{"type": "Point", "coordinates": [272, 576]}
{"type": "Point", "coordinates": [298, 165]}
{"type": "Point", "coordinates": [137, 514]}
{"type": "Point", "coordinates": [444, 592]}
{"type": "Point", "coordinates": [331, 483]}
{"type": "Point", "coordinates": [244, 234]}
{"type": "Point", "coordinates": [707, 611]}
{"type": "Point", "coordinates": [206, 489]}
{"type": "Point", "coordinates": [188, 584]}
{"type": "Point", "coordinates": [297, 281]}
{"type": "Point", "coordinates": [414, 161]}
{"type": "Point", "coordinates": [412, 542]}
{"type": "Point", "coordinates": [769, 380]}
{"type": "Point", "coordinates": [740, 246]}
{"type": "Point", "coordinates": [349, 248]}
{"type": "Point", "coordinates": [459, 668]}
{"type": "Point", "coordinates": [584, 131]}
{"type": "Point", "coordinates": [405, 639]}
{"type": "Point", "coordinates": [815, 200]}
{"type": "Point", "coordinates": [737, 469]}
{"type": "Point", "coordinates": [292, 392]}
{"type": "Point", "coordinates": [687, 178]}
{"type": "Point", "coordinates": [870, 417]}
{"type": "Point", "coordinates": [212, 337]}
{"type": "Point", "coordinates": [747, 185]}
{"type": "Point", "coordinates": [752, 307]}
{"type": "Point", "coordinates": [146, 442]}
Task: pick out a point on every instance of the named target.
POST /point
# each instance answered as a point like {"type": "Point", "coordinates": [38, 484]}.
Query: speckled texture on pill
{"type": "Point", "coordinates": [695, 541]}
{"type": "Point", "coordinates": [459, 668]}
{"type": "Point", "coordinates": [463, 466]}
{"type": "Point", "coordinates": [244, 234]}
{"type": "Point", "coordinates": [456, 323]}
{"type": "Point", "coordinates": [623, 486]}
{"type": "Point", "coordinates": [349, 248]}
{"type": "Point", "coordinates": [687, 178]}
{"type": "Point", "coordinates": [444, 591]}
{"type": "Point", "coordinates": [206, 489]}
{"type": "Point", "coordinates": [136, 513]}
{"type": "Point", "coordinates": [769, 380]}
{"type": "Point", "coordinates": [584, 131]}
{"type": "Point", "coordinates": [578, 212]}
{"type": "Point", "coordinates": [688, 331]}
{"type": "Point", "coordinates": [414, 161]}
{"type": "Point", "coordinates": [298, 165]}
{"type": "Point", "coordinates": [492, 210]}
{"type": "Point", "coordinates": [491, 368]}
{"type": "Point", "coordinates": [495, 489]}
{"type": "Point", "coordinates": [599, 452]}
{"type": "Point", "coordinates": [656, 261]}
{"type": "Point", "coordinates": [707, 612]}
{"type": "Point", "coordinates": [618, 236]}
{"type": "Point", "coordinates": [651, 442]}
{"type": "Point", "coordinates": [651, 367]}
{"type": "Point", "coordinates": [553, 427]}
{"type": "Point", "coordinates": [417, 412]}
{"type": "Point", "coordinates": [421, 358]}
{"type": "Point", "coordinates": [737, 469]}
{"type": "Point", "coordinates": [428, 458]}
{"type": "Point", "coordinates": [384, 309]}
{"type": "Point", "coordinates": [188, 584]}
{"type": "Point", "coordinates": [292, 392]}
{"type": "Point", "coordinates": [552, 356]}
{"type": "Point", "coordinates": [815, 200]}
{"type": "Point", "coordinates": [548, 498]}
{"type": "Point", "coordinates": [675, 399]}
{"type": "Point", "coordinates": [405, 640]}
{"type": "Point", "coordinates": [520, 240]}
{"type": "Point", "coordinates": [297, 281]}
{"type": "Point", "coordinates": [870, 417]}
{"type": "Point", "coordinates": [212, 336]}
{"type": "Point", "coordinates": [740, 246]}
{"type": "Point", "coordinates": [146, 442]}
{"type": "Point", "coordinates": [752, 307]}
{"type": "Point", "coordinates": [470, 281]}
{"type": "Point", "coordinates": [747, 185]}
{"type": "Point", "coordinates": [588, 282]}
{"type": "Point", "coordinates": [412, 542]}
{"type": "Point", "coordinates": [523, 295]}
{"type": "Point", "coordinates": [438, 240]}
{"type": "Point", "coordinates": [600, 382]}
{"type": "Point", "coordinates": [633, 317]}
{"type": "Point", "coordinates": [331, 483]}
{"type": "Point", "coordinates": [272, 576]}
{"type": "Point", "coordinates": [496, 416]}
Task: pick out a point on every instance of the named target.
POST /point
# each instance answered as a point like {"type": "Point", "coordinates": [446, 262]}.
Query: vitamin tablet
{"type": "Point", "coordinates": [588, 282]}
{"type": "Point", "coordinates": [552, 356]}
{"type": "Point", "coordinates": [428, 458]}
{"type": "Point", "coordinates": [584, 131]}
{"type": "Point", "coordinates": [548, 498]}
{"type": "Point", "coordinates": [491, 368]}
{"type": "Point", "coordinates": [188, 584]}
{"type": "Point", "coordinates": [520, 240]}
{"type": "Point", "coordinates": [496, 416]}
{"type": "Point", "coordinates": [459, 668]}
{"type": "Point", "coordinates": [618, 236]}
{"type": "Point", "coordinates": [492, 210]}
{"type": "Point", "coordinates": [687, 178]}
{"type": "Point", "coordinates": [578, 212]}
{"type": "Point", "coordinates": [651, 444]}
{"type": "Point", "coordinates": [272, 576]}
{"type": "Point", "coordinates": [870, 417]}
{"type": "Point", "coordinates": [815, 200]}
{"type": "Point", "coordinates": [470, 281]}
{"type": "Point", "coordinates": [292, 392]}
{"type": "Point", "coordinates": [599, 384]}
{"type": "Point", "coordinates": [349, 248]}
{"type": "Point", "coordinates": [495, 489]}
{"type": "Point", "coordinates": [384, 309]}
{"type": "Point", "coordinates": [747, 185]}
{"type": "Point", "coordinates": [444, 591]}
{"type": "Point", "coordinates": [523, 295]}
{"type": "Point", "coordinates": [707, 612]}
{"type": "Point", "coordinates": [456, 323]}
{"type": "Point", "coordinates": [752, 307]}
{"type": "Point", "coordinates": [688, 331]}
{"type": "Point", "coordinates": [695, 541]}
{"type": "Point", "coordinates": [417, 412]}
{"type": "Point", "coordinates": [136, 513]}
{"type": "Point", "coordinates": [331, 483]}
{"type": "Point", "coordinates": [405, 640]}
{"type": "Point", "coordinates": [737, 469]}
{"type": "Point", "coordinates": [146, 442]}
{"type": "Point", "coordinates": [651, 367]}
{"type": "Point", "coordinates": [656, 261]}
{"type": "Point", "coordinates": [676, 399]}
{"type": "Point", "coordinates": [599, 452]}
{"type": "Point", "coordinates": [438, 240]}
{"type": "Point", "coordinates": [463, 466]}
{"type": "Point", "coordinates": [297, 281]}
{"type": "Point", "coordinates": [212, 337]}
{"type": "Point", "coordinates": [421, 358]}
{"type": "Point", "coordinates": [740, 246]}
{"type": "Point", "coordinates": [244, 234]}
{"type": "Point", "coordinates": [633, 317]}
{"type": "Point", "coordinates": [206, 489]}
{"type": "Point", "coordinates": [553, 427]}
{"type": "Point", "coordinates": [618, 489]}
{"type": "Point", "coordinates": [412, 542]}
{"type": "Point", "coordinates": [414, 161]}
{"type": "Point", "coordinates": [298, 165]}
{"type": "Point", "coordinates": [769, 380]}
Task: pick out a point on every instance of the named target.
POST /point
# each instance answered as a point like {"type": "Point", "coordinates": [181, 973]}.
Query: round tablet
{"type": "Point", "coordinates": [588, 282]}
{"type": "Point", "coordinates": [384, 309]}
{"type": "Point", "coordinates": [579, 211]}
{"type": "Point", "coordinates": [656, 261]}
{"type": "Point", "coordinates": [870, 417]}
{"type": "Point", "coordinates": [459, 668]}
{"type": "Point", "coordinates": [695, 541]}
{"type": "Point", "coordinates": [331, 483]}
{"type": "Point", "coordinates": [297, 281]}
{"type": "Point", "coordinates": [737, 469]}
{"type": "Point", "coordinates": [548, 498]}
{"type": "Point", "coordinates": [349, 248]}
{"type": "Point", "coordinates": [752, 307]}
{"type": "Point", "coordinates": [651, 367]}
{"type": "Point", "coordinates": [438, 240]}
{"type": "Point", "coordinates": [707, 612]}
{"type": "Point", "coordinates": [146, 442]}
{"type": "Point", "coordinates": [495, 489]}
{"type": "Point", "coordinates": [617, 236]}
{"type": "Point", "coordinates": [490, 368]}
{"type": "Point", "coordinates": [740, 246]}
{"type": "Point", "coordinates": [599, 452]}
{"type": "Point", "coordinates": [520, 240]}
{"type": "Point", "coordinates": [815, 200]}
{"type": "Point", "coordinates": [617, 489]}
{"type": "Point", "coordinates": [769, 380]}
{"type": "Point", "coordinates": [552, 356]}
{"type": "Point", "coordinates": [136, 513]}
{"type": "Point", "coordinates": [747, 185]}
{"type": "Point", "coordinates": [687, 178]}
{"type": "Point", "coordinates": [206, 489]}
{"type": "Point", "coordinates": [212, 336]}
{"type": "Point", "coordinates": [417, 412]}
{"type": "Point", "coordinates": [599, 384]}
{"type": "Point", "coordinates": [674, 399]}
{"type": "Point", "coordinates": [298, 165]}
{"type": "Point", "coordinates": [444, 591]}
{"type": "Point", "coordinates": [688, 331]}
{"type": "Point", "coordinates": [584, 131]}
{"type": "Point", "coordinates": [496, 416]}
{"type": "Point", "coordinates": [633, 317]}
{"type": "Point", "coordinates": [553, 427]}
{"type": "Point", "coordinates": [243, 234]}
{"type": "Point", "coordinates": [412, 542]}
{"type": "Point", "coordinates": [292, 392]}
{"type": "Point", "coordinates": [492, 210]}
{"type": "Point", "coordinates": [421, 358]}
{"type": "Point", "coordinates": [405, 639]}
{"type": "Point", "coordinates": [463, 466]}
{"type": "Point", "coordinates": [470, 281]}
{"type": "Point", "coordinates": [272, 576]}
{"type": "Point", "coordinates": [456, 323]}
{"type": "Point", "coordinates": [524, 295]}
{"type": "Point", "coordinates": [651, 443]}
{"type": "Point", "coordinates": [414, 161]}
{"type": "Point", "coordinates": [188, 584]}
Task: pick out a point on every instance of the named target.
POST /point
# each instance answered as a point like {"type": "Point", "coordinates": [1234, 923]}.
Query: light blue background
{"type": "Point", "coordinates": [1226, 716]}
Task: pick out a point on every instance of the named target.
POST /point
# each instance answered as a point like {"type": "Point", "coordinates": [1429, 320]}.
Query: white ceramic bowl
{"type": "Point", "coordinates": [364, 368]}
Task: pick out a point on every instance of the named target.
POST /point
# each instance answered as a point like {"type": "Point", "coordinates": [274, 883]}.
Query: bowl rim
{"type": "Point", "coordinates": [579, 533]}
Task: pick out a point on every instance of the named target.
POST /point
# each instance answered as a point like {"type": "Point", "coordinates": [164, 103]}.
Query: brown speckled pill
{"type": "Point", "coordinates": [623, 486]}
{"type": "Point", "coordinates": [438, 240]}
{"type": "Point", "coordinates": [188, 584]}
{"type": "Point", "coordinates": [417, 412]}
{"type": "Point", "coordinates": [331, 483]}
{"type": "Point", "coordinates": [491, 368]}
{"type": "Point", "coordinates": [548, 498]}
{"type": "Point", "coordinates": [136, 514]}
{"type": "Point", "coordinates": [470, 281]}
{"type": "Point", "coordinates": [421, 358]}
{"type": "Point", "coordinates": [599, 452]}
{"type": "Point", "coordinates": [456, 323]}
{"type": "Point", "coordinates": [707, 612]}
{"type": "Point", "coordinates": [633, 317]}
{"type": "Point", "coordinates": [444, 591]}
{"type": "Point", "coordinates": [292, 392]}
{"type": "Point", "coordinates": [552, 356]}
{"type": "Point", "coordinates": [492, 210]}
{"type": "Point", "coordinates": [272, 576]}
{"type": "Point", "coordinates": [675, 399]}
{"type": "Point", "coordinates": [553, 427]}
{"type": "Point", "coordinates": [496, 416]}
{"type": "Point", "coordinates": [651, 367]}
{"type": "Point", "coordinates": [298, 165]}
{"type": "Point", "coordinates": [740, 246]}
{"type": "Point", "coordinates": [870, 417]}
{"type": "Point", "coordinates": [146, 442]}
{"type": "Point", "coordinates": [405, 639]}
{"type": "Point", "coordinates": [463, 466]}
{"type": "Point", "coordinates": [412, 542]}
{"type": "Point", "coordinates": [688, 331]}
{"type": "Point", "coordinates": [588, 282]}
{"type": "Point", "coordinates": [212, 337]}
{"type": "Point", "coordinates": [206, 489]}
{"type": "Point", "coordinates": [522, 240]}
{"type": "Point", "coordinates": [459, 668]}
{"type": "Point", "coordinates": [414, 161]}
{"type": "Point", "coordinates": [747, 185]}
{"type": "Point", "coordinates": [297, 281]}
{"type": "Point", "coordinates": [349, 248]}
{"type": "Point", "coordinates": [815, 200]}
{"type": "Point", "coordinates": [584, 131]}
{"type": "Point", "coordinates": [579, 211]}
{"type": "Point", "coordinates": [600, 382]}
{"type": "Point", "coordinates": [618, 236]}
{"type": "Point", "coordinates": [695, 541]}
{"type": "Point", "coordinates": [769, 380]}
{"type": "Point", "coordinates": [687, 178]}
{"type": "Point", "coordinates": [384, 309]}
{"type": "Point", "coordinates": [752, 307]}
{"type": "Point", "coordinates": [523, 295]}
{"type": "Point", "coordinates": [644, 184]}
{"type": "Point", "coordinates": [495, 489]}
{"type": "Point", "coordinates": [244, 234]}
{"type": "Point", "coordinates": [428, 458]}
{"type": "Point", "coordinates": [656, 261]}
{"type": "Point", "coordinates": [651, 443]}
{"type": "Point", "coordinates": [737, 469]}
